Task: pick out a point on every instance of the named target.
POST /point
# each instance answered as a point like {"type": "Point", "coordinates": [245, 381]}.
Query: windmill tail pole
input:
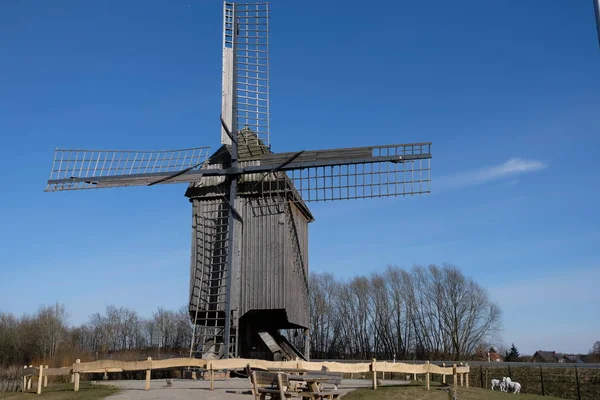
{"type": "Point", "coordinates": [230, 242]}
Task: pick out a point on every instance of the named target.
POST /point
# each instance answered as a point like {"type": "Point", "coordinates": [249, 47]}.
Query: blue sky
{"type": "Point", "coordinates": [508, 92]}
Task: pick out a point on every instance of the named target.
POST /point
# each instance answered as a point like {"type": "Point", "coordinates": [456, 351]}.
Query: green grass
{"type": "Point", "coordinates": [65, 391]}
{"type": "Point", "coordinates": [418, 392]}
{"type": "Point", "coordinates": [558, 382]}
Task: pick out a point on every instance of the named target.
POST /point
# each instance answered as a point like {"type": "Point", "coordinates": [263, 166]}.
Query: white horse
{"type": "Point", "coordinates": [496, 383]}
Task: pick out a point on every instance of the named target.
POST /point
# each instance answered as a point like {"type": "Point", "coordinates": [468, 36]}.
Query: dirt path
{"type": "Point", "coordinates": [184, 389]}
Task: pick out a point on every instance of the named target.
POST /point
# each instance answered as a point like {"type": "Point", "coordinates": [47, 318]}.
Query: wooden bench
{"type": "Point", "coordinates": [276, 385]}
{"type": "Point", "coordinates": [270, 383]}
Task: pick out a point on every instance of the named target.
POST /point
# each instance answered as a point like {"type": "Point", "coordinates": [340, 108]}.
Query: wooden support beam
{"type": "Point", "coordinates": [467, 375]}
{"type": "Point", "coordinates": [374, 369]}
{"type": "Point", "coordinates": [427, 375]}
{"type": "Point", "coordinates": [40, 380]}
{"type": "Point", "coordinates": [307, 344]}
{"type": "Point", "coordinates": [148, 374]}
{"type": "Point", "coordinates": [444, 375]}
{"type": "Point", "coordinates": [29, 379]}
{"type": "Point", "coordinates": [76, 380]}
{"type": "Point", "coordinates": [462, 376]}
{"type": "Point", "coordinates": [45, 376]}
{"type": "Point", "coordinates": [454, 383]}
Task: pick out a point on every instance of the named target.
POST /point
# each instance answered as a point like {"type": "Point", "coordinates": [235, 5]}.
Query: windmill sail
{"type": "Point", "coordinates": [245, 97]}
{"type": "Point", "coordinates": [89, 169]}
{"type": "Point", "coordinates": [340, 174]}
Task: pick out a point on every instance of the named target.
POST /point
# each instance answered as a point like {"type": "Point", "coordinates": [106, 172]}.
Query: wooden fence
{"type": "Point", "coordinates": [458, 372]}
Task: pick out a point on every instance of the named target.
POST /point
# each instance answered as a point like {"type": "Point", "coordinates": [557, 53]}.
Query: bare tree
{"type": "Point", "coordinates": [9, 340]}
{"type": "Point", "coordinates": [52, 323]}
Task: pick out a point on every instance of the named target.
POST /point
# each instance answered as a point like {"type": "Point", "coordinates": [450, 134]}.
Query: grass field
{"type": "Point", "coordinates": [558, 382]}
{"type": "Point", "coordinates": [65, 391]}
{"type": "Point", "coordinates": [418, 392]}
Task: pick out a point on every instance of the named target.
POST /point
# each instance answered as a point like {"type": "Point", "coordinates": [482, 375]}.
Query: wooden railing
{"type": "Point", "coordinates": [110, 366]}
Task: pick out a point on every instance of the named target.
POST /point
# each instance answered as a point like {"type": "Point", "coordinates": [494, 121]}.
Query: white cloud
{"type": "Point", "coordinates": [510, 168]}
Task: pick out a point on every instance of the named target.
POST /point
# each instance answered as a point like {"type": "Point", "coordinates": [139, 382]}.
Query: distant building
{"type": "Point", "coordinates": [542, 356]}
{"type": "Point", "coordinates": [571, 359]}
{"type": "Point", "coordinates": [494, 357]}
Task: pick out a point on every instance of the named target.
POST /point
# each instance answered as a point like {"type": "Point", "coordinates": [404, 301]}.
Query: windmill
{"type": "Point", "coordinates": [249, 263]}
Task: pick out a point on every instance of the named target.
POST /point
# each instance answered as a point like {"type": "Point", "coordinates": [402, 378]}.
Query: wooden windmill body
{"type": "Point", "coordinates": [249, 264]}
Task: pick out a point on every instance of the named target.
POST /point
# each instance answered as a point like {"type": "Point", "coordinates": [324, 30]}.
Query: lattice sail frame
{"type": "Point", "coordinates": [404, 169]}
{"type": "Point", "coordinates": [93, 164]}
{"type": "Point", "coordinates": [245, 97]}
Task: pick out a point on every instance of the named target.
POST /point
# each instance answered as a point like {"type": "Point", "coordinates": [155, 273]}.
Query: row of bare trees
{"type": "Point", "coordinates": [46, 335]}
{"type": "Point", "coordinates": [425, 313]}
{"type": "Point", "coordinates": [121, 329]}
{"type": "Point", "coordinates": [32, 337]}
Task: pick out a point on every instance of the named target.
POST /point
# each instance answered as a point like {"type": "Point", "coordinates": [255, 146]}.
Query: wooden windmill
{"type": "Point", "coordinates": [249, 268]}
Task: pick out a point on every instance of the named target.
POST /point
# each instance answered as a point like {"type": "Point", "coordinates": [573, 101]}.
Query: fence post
{"type": "Point", "coordinates": [542, 380]}
{"type": "Point", "coordinates": [486, 378]}
{"type": "Point", "coordinates": [148, 374]}
{"type": "Point", "coordinates": [46, 378]}
{"type": "Point", "coordinates": [481, 375]}
{"type": "Point", "coordinates": [462, 377]}
{"type": "Point", "coordinates": [577, 379]}
{"type": "Point", "coordinates": [212, 377]}
{"type": "Point", "coordinates": [374, 369]}
{"type": "Point", "coordinates": [40, 380]}
{"type": "Point", "coordinates": [427, 374]}
{"type": "Point", "coordinates": [76, 381]}
{"type": "Point", "coordinates": [30, 379]}
{"type": "Point", "coordinates": [444, 375]}
{"type": "Point", "coordinates": [454, 383]}
{"type": "Point", "coordinates": [467, 375]}
{"type": "Point", "coordinates": [24, 388]}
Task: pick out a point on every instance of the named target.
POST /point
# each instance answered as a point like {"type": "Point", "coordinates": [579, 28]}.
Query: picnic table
{"type": "Point", "coordinates": [314, 383]}
{"type": "Point", "coordinates": [283, 386]}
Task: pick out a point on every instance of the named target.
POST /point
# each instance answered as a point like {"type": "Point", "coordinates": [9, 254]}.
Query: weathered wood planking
{"type": "Point", "coordinates": [101, 365]}
{"type": "Point", "coordinates": [57, 371]}
{"type": "Point", "coordinates": [179, 362]}
{"type": "Point", "coordinates": [403, 368]}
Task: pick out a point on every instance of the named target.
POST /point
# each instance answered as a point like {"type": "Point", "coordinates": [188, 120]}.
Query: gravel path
{"type": "Point", "coordinates": [184, 389]}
